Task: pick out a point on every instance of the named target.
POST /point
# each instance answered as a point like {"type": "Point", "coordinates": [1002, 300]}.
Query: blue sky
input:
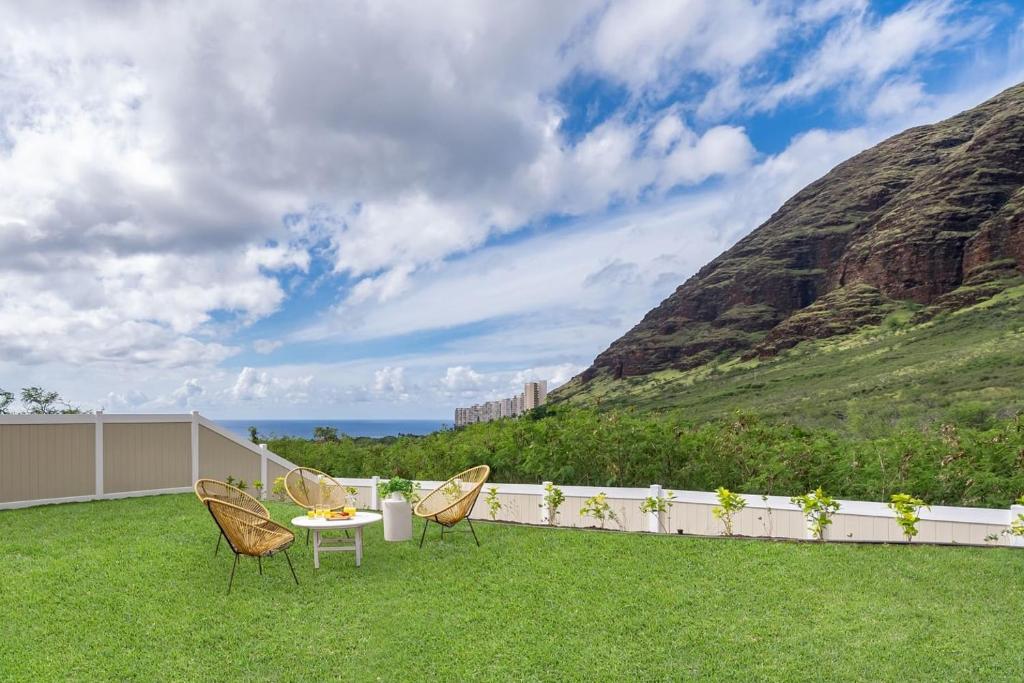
{"type": "Point", "coordinates": [379, 210]}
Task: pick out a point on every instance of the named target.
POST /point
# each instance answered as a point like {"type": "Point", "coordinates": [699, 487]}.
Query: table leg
{"type": "Point", "coordinates": [316, 549]}
{"type": "Point", "coordinates": [359, 546]}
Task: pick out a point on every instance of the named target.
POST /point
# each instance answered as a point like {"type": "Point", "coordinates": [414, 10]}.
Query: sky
{"type": "Point", "coordinates": [387, 210]}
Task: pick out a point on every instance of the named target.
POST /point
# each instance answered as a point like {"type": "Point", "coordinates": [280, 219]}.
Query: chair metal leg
{"type": "Point", "coordinates": [424, 535]}
{"type": "Point", "coordinates": [307, 536]}
{"type": "Point", "coordinates": [259, 561]}
{"type": "Point", "coordinates": [474, 531]}
{"type": "Point", "coordinates": [291, 567]}
{"type": "Point", "coordinates": [217, 549]}
{"type": "Point", "coordinates": [230, 580]}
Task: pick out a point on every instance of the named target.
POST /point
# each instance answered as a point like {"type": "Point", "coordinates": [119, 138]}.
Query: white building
{"type": "Point", "coordinates": [534, 394]}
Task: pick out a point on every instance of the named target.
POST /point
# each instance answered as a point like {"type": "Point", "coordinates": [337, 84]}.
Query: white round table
{"type": "Point", "coordinates": [356, 524]}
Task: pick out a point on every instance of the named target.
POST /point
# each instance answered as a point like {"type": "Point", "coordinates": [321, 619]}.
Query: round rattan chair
{"type": "Point", "coordinates": [219, 490]}
{"type": "Point", "coordinates": [452, 501]}
{"type": "Point", "coordinates": [250, 533]}
{"type": "Point", "coordinates": [309, 489]}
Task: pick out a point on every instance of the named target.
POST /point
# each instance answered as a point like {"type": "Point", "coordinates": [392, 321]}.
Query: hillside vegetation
{"type": "Point", "coordinates": [945, 464]}
{"type": "Point", "coordinates": [965, 366]}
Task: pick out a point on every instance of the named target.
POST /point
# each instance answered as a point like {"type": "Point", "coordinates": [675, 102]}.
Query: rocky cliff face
{"type": "Point", "coordinates": [934, 215]}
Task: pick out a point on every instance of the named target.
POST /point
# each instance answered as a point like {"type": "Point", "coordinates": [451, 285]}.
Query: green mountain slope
{"type": "Point", "coordinates": [859, 295]}
{"type": "Point", "coordinates": [965, 365]}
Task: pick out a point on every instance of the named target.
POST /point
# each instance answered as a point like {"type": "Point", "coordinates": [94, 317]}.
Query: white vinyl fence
{"type": "Point", "coordinates": [764, 516]}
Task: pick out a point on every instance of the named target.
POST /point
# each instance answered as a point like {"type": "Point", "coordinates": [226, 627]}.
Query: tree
{"type": "Point", "coordinates": [254, 435]}
{"type": "Point", "coordinates": [325, 434]}
{"type": "Point", "coordinates": [38, 401]}
{"type": "Point", "coordinates": [6, 399]}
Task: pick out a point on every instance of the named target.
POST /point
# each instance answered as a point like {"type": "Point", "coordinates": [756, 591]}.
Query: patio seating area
{"type": "Point", "coordinates": [131, 589]}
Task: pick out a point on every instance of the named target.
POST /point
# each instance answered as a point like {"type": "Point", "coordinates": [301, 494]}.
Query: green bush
{"type": "Point", "coordinates": [943, 464]}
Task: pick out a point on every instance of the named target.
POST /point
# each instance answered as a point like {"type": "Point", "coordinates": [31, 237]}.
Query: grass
{"type": "Point", "coordinates": [881, 375]}
{"type": "Point", "coordinates": [130, 590]}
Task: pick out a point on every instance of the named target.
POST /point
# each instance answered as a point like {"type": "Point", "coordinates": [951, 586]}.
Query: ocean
{"type": "Point", "coordinates": [304, 428]}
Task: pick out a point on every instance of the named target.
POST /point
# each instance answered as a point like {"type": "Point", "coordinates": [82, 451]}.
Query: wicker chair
{"type": "Point", "coordinates": [452, 501]}
{"type": "Point", "coordinates": [250, 533]}
{"type": "Point", "coordinates": [309, 488]}
{"type": "Point", "coordinates": [219, 490]}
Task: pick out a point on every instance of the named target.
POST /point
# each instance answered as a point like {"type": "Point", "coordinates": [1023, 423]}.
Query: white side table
{"type": "Point", "coordinates": [397, 519]}
{"type": "Point", "coordinates": [356, 524]}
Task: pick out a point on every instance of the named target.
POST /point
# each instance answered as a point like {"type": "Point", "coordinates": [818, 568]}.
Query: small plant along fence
{"type": "Point", "coordinates": [658, 510]}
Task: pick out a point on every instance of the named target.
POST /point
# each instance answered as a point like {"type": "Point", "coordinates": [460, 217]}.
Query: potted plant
{"type": "Point", "coordinates": [397, 488]}
{"type": "Point", "coordinates": [398, 494]}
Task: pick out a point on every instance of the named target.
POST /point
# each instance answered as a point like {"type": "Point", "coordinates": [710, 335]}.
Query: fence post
{"type": "Point", "coordinates": [99, 452]}
{"type": "Point", "coordinates": [374, 496]}
{"type": "Point", "coordinates": [195, 446]}
{"type": "Point", "coordinates": [1014, 511]}
{"type": "Point", "coordinates": [263, 470]}
{"type": "Point", "coordinates": [545, 511]}
{"type": "Point", "coordinates": [654, 517]}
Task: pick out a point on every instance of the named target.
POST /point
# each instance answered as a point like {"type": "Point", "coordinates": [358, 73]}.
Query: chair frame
{"type": "Point", "coordinates": [211, 502]}
{"type": "Point", "coordinates": [465, 502]}
{"type": "Point", "coordinates": [307, 506]}
{"type": "Point", "coordinates": [250, 502]}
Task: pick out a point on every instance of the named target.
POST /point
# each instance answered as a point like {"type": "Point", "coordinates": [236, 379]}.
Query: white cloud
{"type": "Point", "coordinates": [461, 379]}
{"type": "Point", "coordinates": [185, 397]}
{"type": "Point", "coordinates": [556, 375]}
{"type": "Point", "coordinates": [389, 381]}
{"type": "Point", "coordinates": [266, 346]}
{"type": "Point", "coordinates": [646, 43]}
{"type": "Point", "coordinates": [251, 385]}
{"type": "Point", "coordinates": [865, 49]}
{"type": "Point", "coordinates": [896, 97]}
{"type": "Point", "coordinates": [126, 402]}
{"type": "Point", "coordinates": [256, 385]}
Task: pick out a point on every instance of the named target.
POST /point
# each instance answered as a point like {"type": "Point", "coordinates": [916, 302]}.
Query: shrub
{"type": "Point", "coordinates": [278, 489]}
{"type": "Point", "coordinates": [599, 508]}
{"type": "Point", "coordinates": [729, 504]}
{"type": "Point", "coordinates": [907, 509]}
{"type": "Point", "coordinates": [817, 508]}
{"type": "Point", "coordinates": [493, 502]}
{"type": "Point", "coordinates": [662, 505]}
{"type": "Point", "coordinates": [1016, 527]}
{"type": "Point", "coordinates": [553, 499]}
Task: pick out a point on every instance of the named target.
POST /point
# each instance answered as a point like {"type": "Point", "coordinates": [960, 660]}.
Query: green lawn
{"type": "Point", "coordinates": [130, 590]}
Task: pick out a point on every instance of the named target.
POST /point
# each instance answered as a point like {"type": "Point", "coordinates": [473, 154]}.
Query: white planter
{"type": "Point", "coordinates": [397, 518]}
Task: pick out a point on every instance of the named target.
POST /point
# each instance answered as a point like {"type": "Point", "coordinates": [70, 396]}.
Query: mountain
{"type": "Point", "coordinates": [925, 224]}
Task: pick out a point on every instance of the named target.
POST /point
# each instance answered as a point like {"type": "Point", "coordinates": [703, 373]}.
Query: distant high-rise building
{"type": "Point", "coordinates": [534, 394]}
